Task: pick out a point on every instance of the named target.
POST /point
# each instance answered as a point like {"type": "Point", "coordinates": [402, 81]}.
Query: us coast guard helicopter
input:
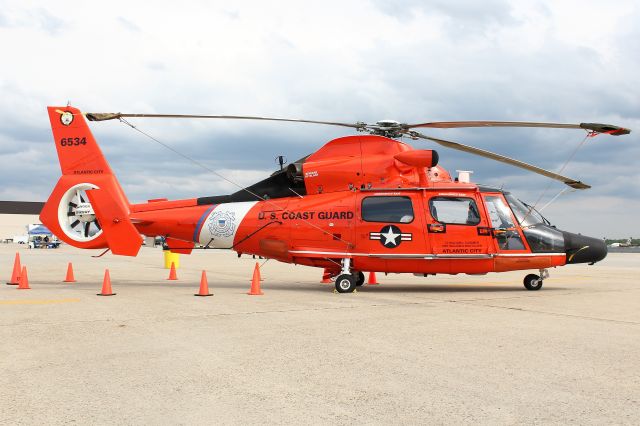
{"type": "Point", "coordinates": [366, 202]}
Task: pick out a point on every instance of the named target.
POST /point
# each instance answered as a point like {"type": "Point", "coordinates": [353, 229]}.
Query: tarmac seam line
{"type": "Point", "coordinates": [37, 301]}
{"type": "Point", "coordinates": [551, 313]}
{"type": "Point", "coordinates": [222, 314]}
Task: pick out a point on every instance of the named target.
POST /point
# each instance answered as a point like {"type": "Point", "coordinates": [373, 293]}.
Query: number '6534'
{"type": "Point", "coordinates": [73, 141]}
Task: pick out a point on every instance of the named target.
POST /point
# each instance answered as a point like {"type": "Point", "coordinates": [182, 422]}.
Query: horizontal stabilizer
{"type": "Point", "coordinates": [179, 246]}
{"type": "Point", "coordinates": [122, 236]}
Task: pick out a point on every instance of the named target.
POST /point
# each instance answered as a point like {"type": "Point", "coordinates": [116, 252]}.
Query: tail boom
{"type": "Point", "coordinates": [88, 208]}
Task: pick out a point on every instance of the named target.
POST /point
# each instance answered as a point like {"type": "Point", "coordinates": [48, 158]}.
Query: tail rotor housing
{"type": "Point", "coordinates": [76, 215]}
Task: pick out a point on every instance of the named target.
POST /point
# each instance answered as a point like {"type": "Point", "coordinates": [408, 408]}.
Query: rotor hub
{"type": "Point", "coordinates": [388, 123]}
{"type": "Point", "coordinates": [387, 128]}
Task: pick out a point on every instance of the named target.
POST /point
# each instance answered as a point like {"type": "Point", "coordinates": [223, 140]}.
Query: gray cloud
{"type": "Point", "coordinates": [466, 15]}
{"type": "Point", "coordinates": [411, 61]}
{"type": "Point", "coordinates": [37, 18]}
{"type": "Point", "coordinates": [128, 25]}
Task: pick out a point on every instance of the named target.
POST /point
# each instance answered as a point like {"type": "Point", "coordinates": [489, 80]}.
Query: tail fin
{"type": "Point", "coordinates": [87, 207]}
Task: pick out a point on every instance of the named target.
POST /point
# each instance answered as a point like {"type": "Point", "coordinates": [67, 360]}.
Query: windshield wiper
{"type": "Point", "coordinates": [531, 208]}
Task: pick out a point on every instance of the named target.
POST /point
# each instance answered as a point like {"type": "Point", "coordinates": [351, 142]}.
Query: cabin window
{"type": "Point", "coordinates": [454, 210]}
{"type": "Point", "coordinates": [387, 209]}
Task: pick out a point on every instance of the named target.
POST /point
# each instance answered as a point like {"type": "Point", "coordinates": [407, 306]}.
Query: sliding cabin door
{"type": "Point", "coordinates": [456, 227]}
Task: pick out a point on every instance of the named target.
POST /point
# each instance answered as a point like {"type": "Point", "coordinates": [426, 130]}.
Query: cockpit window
{"type": "Point", "coordinates": [498, 213]}
{"type": "Point", "coordinates": [504, 229]}
{"type": "Point", "coordinates": [526, 215]}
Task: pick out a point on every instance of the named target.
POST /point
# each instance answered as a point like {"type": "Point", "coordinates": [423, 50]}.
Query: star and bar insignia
{"type": "Point", "coordinates": [390, 236]}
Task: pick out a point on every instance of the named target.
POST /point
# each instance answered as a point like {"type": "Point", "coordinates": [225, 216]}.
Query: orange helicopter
{"type": "Point", "coordinates": [359, 203]}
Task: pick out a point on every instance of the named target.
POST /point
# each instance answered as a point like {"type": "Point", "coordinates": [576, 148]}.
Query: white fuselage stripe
{"type": "Point", "coordinates": [426, 255]}
{"type": "Point", "coordinates": [221, 225]}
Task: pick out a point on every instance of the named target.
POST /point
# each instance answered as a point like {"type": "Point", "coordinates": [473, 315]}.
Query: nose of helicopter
{"type": "Point", "coordinates": [582, 249]}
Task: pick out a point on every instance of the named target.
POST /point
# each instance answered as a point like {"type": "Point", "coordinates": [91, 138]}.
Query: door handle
{"type": "Point", "coordinates": [485, 231]}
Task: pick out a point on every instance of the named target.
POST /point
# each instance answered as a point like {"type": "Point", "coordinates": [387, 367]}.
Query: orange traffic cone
{"type": "Point", "coordinates": [204, 286]}
{"type": "Point", "coordinates": [255, 282]}
{"type": "Point", "coordinates": [15, 276]}
{"type": "Point", "coordinates": [24, 280]}
{"type": "Point", "coordinates": [326, 277]}
{"type": "Point", "coordinates": [172, 274]}
{"type": "Point", "coordinates": [69, 278]}
{"type": "Point", "coordinates": [372, 279]}
{"type": "Point", "coordinates": [106, 285]}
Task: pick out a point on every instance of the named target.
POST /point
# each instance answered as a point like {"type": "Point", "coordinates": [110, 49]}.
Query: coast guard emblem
{"type": "Point", "coordinates": [222, 223]}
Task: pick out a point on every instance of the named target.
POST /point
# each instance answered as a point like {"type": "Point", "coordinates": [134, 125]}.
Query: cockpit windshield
{"type": "Point", "coordinates": [526, 214]}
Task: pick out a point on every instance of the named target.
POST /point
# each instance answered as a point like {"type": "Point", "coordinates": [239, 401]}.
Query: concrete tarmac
{"type": "Point", "coordinates": [437, 350]}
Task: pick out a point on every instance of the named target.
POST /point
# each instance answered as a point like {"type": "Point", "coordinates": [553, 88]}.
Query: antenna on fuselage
{"type": "Point", "coordinates": [281, 160]}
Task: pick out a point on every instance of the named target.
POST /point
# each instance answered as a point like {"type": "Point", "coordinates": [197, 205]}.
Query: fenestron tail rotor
{"type": "Point", "coordinates": [77, 218]}
{"type": "Point", "coordinates": [395, 129]}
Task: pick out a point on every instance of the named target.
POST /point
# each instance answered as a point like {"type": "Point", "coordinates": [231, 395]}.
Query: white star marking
{"type": "Point", "coordinates": [390, 237]}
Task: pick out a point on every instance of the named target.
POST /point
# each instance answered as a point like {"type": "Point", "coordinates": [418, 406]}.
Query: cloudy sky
{"type": "Point", "coordinates": [409, 60]}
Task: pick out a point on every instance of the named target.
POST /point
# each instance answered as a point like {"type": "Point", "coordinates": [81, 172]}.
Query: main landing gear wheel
{"type": "Point", "coordinates": [533, 282]}
{"type": "Point", "coordinates": [345, 283]}
{"type": "Point", "coordinates": [359, 278]}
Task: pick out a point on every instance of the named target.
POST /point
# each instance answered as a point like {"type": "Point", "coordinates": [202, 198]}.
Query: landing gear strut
{"type": "Point", "coordinates": [534, 282]}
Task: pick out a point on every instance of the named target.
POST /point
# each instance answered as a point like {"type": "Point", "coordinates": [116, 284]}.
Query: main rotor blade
{"type": "Point", "coordinates": [488, 154]}
{"type": "Point", "coordinates": [103, 116]}
{"type": "Point", "coordinates": [595, 127]}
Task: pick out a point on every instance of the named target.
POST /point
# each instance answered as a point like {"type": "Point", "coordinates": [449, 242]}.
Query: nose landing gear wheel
{"type": "Point", "coordinates": [359, 278]}
{"type": "Point", "coordinates": [532, 282]}
{"type": "Point", "coordinates": [345, 283]}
